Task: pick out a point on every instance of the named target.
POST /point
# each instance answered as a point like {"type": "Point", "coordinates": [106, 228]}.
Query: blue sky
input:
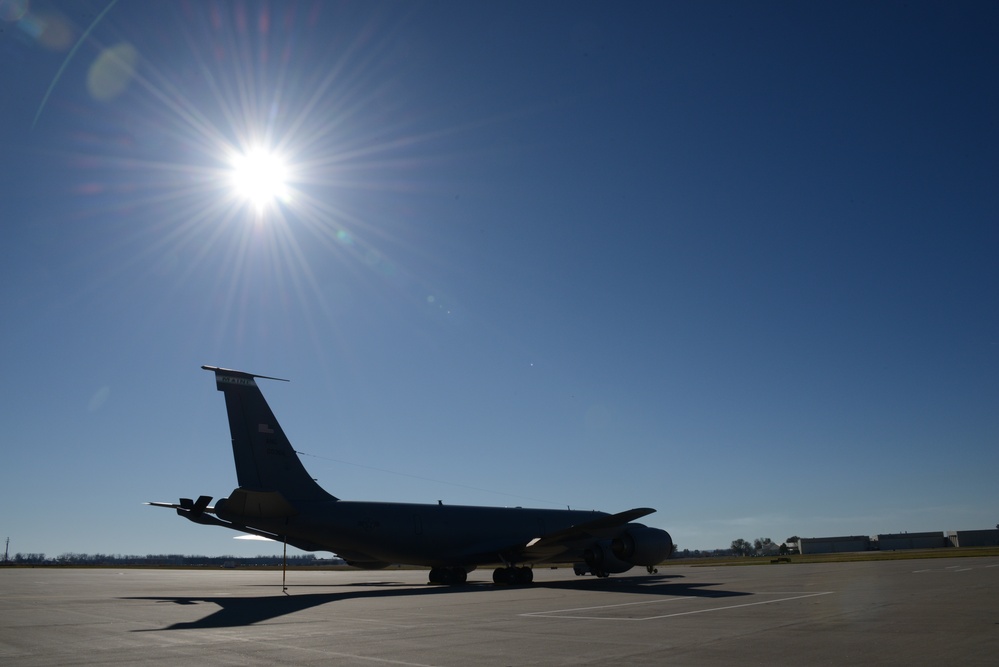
{"type": "Point", "coordinates": [734, 261]}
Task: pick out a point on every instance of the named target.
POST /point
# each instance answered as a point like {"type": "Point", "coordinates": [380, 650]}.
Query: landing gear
{"type": "Point", "coordinates": [449, 576]}
{"type": "Point", "coordinates": [652, 569]}
{"type": "Point", "coordinates": [513, 575]}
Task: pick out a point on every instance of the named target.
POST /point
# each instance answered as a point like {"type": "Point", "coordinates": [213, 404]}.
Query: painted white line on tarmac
{"type": "Point", "coordinates": [568, 613]}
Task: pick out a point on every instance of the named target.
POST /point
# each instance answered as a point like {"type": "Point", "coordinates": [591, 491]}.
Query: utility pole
{"type": "Point", "coordinates": [6, 549]}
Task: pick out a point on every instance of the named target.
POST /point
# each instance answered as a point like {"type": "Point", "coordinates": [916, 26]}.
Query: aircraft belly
{"type": "Point", "coordinates": [425, 534]}
{"type": "Point", "coordinates": [432, 534]}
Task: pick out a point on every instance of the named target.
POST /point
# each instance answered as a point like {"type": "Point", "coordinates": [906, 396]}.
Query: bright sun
{"type": "Point", "coordinates": [259, 177]}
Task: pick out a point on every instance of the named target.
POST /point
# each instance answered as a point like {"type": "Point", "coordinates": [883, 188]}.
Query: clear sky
{"type": "Point", "coordinates": [735, 261]}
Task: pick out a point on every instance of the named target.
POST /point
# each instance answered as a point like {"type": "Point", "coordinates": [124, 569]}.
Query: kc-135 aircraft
{"type": "Point", "coordinates": [279, 500]}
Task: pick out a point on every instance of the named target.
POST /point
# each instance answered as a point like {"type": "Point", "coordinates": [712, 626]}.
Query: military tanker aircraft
{"type": "Point", "coordinates": [279, 500]}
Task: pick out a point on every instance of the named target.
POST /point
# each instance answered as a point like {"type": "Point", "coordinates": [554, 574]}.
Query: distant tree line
{"type": "Point", "coordinates": [701, 553]}
{"type": "Point", "coordinates": [28, 558]}
{"type": "Point", "coordinates": [764, 546]}
{"type": "Point", "coordinates": [761, 546]}
{"type": "Point", "coordinates": [77, 559]}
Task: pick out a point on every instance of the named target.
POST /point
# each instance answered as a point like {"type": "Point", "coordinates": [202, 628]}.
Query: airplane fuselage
{"type": "Point", "coordinates": [418, 534]}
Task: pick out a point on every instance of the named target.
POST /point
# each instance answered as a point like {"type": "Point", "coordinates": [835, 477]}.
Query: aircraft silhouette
{"type": "Point", "coordinates": [278, 499]}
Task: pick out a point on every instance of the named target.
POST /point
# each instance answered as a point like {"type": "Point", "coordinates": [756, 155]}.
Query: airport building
{"type": "Point", "coordinates": [973, 538]}
{"type": "Point", "coordinates": [898, 541]}
{"type": "Point", "coordinates": [911, 541]}
{"type": "Point", "coordinates": [834, 545]}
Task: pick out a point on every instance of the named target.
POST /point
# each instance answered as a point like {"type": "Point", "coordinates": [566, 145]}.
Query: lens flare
{"type": "Point", "coordinates": [112, 72]}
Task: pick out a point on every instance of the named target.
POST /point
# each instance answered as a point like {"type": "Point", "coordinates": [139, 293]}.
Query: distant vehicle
{"type": "Point", "coordinates": [278, 499]}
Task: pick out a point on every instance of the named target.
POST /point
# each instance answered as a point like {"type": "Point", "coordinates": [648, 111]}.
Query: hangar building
{"type": "Point", "coordinates": [895, 541]}
{"type": "Point", "coordinates": [973, 538]}
{"type": "Point", "coordinates": [835, 545]}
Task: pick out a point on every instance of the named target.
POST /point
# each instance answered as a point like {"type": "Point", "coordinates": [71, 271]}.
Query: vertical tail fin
{"type": "Point", "coordinates": [265, 460]}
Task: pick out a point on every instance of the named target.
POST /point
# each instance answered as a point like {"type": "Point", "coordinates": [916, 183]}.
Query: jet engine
{"type": "Point", "coordinates": [601, 559]}
{"type": "Point", "coordinates": [641, 545]}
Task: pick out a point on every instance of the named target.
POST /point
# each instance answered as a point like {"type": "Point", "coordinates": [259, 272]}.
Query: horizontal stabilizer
{"type": "Point", "coordinates": [196, 511]}
{"type": "Point", "coordinates": [188, 506]}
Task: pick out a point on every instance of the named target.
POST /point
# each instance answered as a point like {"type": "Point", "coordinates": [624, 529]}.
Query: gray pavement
{"type": "Point", "coordinates": [896, 612]}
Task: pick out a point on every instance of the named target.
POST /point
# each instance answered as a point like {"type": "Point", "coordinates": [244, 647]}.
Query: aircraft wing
{"type": "Point", "coordinates": [567, 543]}
{"type": "Point", "coordinates": [554, 544]}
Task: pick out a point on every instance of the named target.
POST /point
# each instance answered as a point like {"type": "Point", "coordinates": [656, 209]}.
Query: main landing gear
{"type": "Point", "coordinates": [456, 575]}
{"type": "Point", "coordinates": [513, 575]}
{"type": "Point", "coordinates": [449, 576]}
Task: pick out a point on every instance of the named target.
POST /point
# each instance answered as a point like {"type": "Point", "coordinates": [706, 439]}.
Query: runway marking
{"type": "Point", "coordinates": [952, 568]}
{"type": "Point", "coordinates": [384, 661]}
{"type": "Point", "coordinates": [567, 613]}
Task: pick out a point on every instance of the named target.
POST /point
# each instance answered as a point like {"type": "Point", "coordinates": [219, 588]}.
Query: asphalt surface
{"type": "Point", "coordinates": [896, 612]}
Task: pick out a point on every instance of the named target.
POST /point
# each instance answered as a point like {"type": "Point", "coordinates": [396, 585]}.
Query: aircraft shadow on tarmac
{"type": "Point", "coordinates": [243, 611]}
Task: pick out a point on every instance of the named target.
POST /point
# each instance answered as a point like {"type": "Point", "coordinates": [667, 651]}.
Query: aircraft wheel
{"type": "Point", "coordinates": [436, 575]}
{"type": "Point", "coordinates": [513, 575]}
{"type": "Point", "coordinates": [507, 575]}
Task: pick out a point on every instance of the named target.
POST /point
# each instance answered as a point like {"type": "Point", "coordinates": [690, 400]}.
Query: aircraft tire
{"type": "Point", "coordinates": [513, 575]}
{"type": "Point", "coordinates": [449, 576]}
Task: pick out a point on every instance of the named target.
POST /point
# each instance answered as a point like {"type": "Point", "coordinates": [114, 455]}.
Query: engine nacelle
{"type": "Point", "coordinates": [602, 561]}
{"type": "Point", "coordinates": [642, 545]}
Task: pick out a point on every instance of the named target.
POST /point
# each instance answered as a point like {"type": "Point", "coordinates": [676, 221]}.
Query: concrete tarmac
{"type": "Point", "coordinates": [912, 612]}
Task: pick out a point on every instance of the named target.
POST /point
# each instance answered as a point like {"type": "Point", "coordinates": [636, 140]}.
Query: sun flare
{"type": "Point", "coordinates": [260, 177]}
